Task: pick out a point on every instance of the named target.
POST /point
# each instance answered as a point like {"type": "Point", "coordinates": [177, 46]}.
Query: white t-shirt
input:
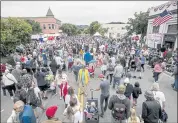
{"type": "Point", "coordinates": [78, 117]}
{"type": "Point", "coordinates": [58, 60]}
{"type": "Point", "coordinates": [159, 96]}
{"type": "Point", "coordinates": [37, 91]}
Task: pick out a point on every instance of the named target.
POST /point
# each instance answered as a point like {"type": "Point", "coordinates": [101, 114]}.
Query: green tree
{"type": "Point", "coordinates": [15, 31]}
{"type": "Point", "coordinates": [96, 27]}
{"type": "Point", "coordinates": [36, 29]}
{"type": "Point", "coordinates": [138, 24]}
{"type": "Point", "coordinates": [69, 29]}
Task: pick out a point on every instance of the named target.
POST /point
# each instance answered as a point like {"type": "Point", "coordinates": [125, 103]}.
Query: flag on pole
{"type": "Point", "coordinates": [162, 18]}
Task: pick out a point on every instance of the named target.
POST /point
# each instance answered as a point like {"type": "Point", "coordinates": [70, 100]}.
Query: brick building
{"type": "Point", "coordinates": [49, 24]}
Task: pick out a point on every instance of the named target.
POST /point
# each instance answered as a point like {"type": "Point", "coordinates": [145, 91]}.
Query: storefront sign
{"type": "Point", "coordinates": [153, 39]}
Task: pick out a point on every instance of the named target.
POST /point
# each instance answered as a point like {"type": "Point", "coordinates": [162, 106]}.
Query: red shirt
{"type": "Point", "coordinates": [2, 68]}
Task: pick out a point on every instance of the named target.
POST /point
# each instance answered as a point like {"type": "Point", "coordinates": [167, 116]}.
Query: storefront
{"type": "Point", "coordinates": [166, 33]}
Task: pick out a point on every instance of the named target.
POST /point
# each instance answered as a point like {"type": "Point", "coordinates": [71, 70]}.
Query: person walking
{"type": "Point", "coordinates": [157, 70]}
{"type": "Point", "coordinates": [53, 65]}
{"type": "Point", "coordinates": [136, 92]}
{"type": "Point", "coordinates": [133, 117]}
{"type": "Point", "coordinates": [118, 72]}
{"type": "Point", "coordinates": [110, 71]}
{"type": "Point", "coordinates": [76, 67]}
{"type": "Point", "coordinates": [175, 74]}
{"type": "Point", "coordinates": [104, 97]}
{"type": "Point", "coordinates": [151, 106]}
{"type": "Point", "coordinates": [9, 82]}
{"type": "Point", "coordinates": [83, 79]}
{"type": "Point", "coordinates": [120, 106]}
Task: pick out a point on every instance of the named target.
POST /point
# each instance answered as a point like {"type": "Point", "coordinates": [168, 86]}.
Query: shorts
{"type": "Point", "coordinates": [43, 88]}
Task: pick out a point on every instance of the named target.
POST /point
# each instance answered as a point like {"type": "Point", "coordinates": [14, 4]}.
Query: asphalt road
{"type": "Point", "coordinates": [145, 83]}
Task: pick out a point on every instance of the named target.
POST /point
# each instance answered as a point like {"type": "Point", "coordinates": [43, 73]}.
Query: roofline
{"type": "Point", "coordinates": [33, 17]}
{"type": "Point", "coordinates": [154, 16]}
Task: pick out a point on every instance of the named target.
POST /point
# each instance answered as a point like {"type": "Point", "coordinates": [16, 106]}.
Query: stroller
{"type": "Point", "coordinates": [91, 110]}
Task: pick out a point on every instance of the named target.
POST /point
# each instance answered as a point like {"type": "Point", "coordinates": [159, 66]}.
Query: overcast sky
{"type": "Point", "coordinates": [78, 12]}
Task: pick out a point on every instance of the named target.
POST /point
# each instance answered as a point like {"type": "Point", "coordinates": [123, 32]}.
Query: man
{"type": "Point", "coordinates": [83, 79]}
{"type": "Point", "coordinates": [118, 72]}
{"type": "Point", "coordinates": [104, 87]}
{"type": "Point", "coordinates": [26, 113]}
{"type": "Point", "coordinates": [87, 57]}
{"type": "Point", "coordinates": [17, 72]}
{"type": "Point", "coordinates": [117, 103]}
{"type": "Point", "coordinates": [151, 106]}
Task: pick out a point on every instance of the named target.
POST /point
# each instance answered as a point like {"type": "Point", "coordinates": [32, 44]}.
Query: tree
{"type": "Point", "coordinates": [15, 31]}
{"type": "Point", "coordinates": [36, 29]}
{"type": "Point", "coordinates": [69, 29]}
{"type": "Point", "coordinates": [138, 24]}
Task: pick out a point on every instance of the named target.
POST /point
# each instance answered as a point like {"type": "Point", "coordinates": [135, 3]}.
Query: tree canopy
{"type": "Point", "coordinates": [14, 31]}
{"type": "Point", "coordinates": [36, 29]}
{"type": "Point", "coordinates": [96, 27]}
{"type": "Point", "coordinates": [138, 24]}
{"type": "Point", "coordinates": [69, 29]}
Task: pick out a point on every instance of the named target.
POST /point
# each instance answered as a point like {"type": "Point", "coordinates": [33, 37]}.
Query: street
{"type": "Point", "coordinates": [145, 83]}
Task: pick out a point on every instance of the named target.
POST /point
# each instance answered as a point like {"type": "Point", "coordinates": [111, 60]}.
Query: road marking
{"type": "Point", "coordinates": [2, 110]}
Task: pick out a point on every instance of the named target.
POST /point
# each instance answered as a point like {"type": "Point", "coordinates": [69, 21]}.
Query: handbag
{"type": "Point", "coordinates": [164, 116]}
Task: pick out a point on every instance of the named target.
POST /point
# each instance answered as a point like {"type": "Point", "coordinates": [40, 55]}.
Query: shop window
{"type": "Point", "coordinates": [155, 29]}
{"type": "Point", "coordinates": [172, 28]}
{"type": "Point", "coordinates": [44, 26]}
{"type": "Point", "coordinates": [49, 25]}
{"type": "Point", "coordinates": [53, 27]}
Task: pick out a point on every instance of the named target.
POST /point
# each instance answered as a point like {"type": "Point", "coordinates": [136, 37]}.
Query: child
{"type": "Point", "coordinates": [136, 91]}
{"type": "Point", "coordinates": [104, 68]}
{"type": "Point", "coordinates": [133, 117]}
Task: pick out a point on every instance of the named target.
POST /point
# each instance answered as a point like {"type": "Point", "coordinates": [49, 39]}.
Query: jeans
{"type": "Point", "coordinates": [76, 76]}
{"type": "Point", "coordinates": [102, 99]}
{"type": "Point", "coordinates": [156, 76]}
{"type": "Point", "coordinates": [116, 81]}
{"type": "Point", "coordinates": [110, 76]}
{"type": "Point", "coordinates": [104, 72]}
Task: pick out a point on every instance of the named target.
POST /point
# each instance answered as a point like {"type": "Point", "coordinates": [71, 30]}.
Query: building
{"type": "Point", "coordinates": [49, 24]}
{"type": "Point", "coordinates": [116, 30]}
{"type": "Point", "coordinates": [167, 32]}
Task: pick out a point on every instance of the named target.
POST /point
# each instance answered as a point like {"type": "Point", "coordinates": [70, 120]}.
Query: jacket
{"type": "Point", "coordinates": [87, 57]}
{"type": "Point", "coordinates": [151, 111]}
{"type": "Point", "coordinates": [114, 99]}
{"type": "Point", "coordinates": [118, 71]}
{"type": "Point", "coordinates": [157, 68]}
{"type": "Point", "coordinates": [27, 116]}
{"type": "Point", "coordinates": [8, 79]}
{"type": "Point", "coordinates": [86, 76]}
{"type": "Point", "coordinates": [64, 91]}
{"type": "Point", "coordinates": [128, 90]}
{"type": "Point", "coordinates": [136, 92]}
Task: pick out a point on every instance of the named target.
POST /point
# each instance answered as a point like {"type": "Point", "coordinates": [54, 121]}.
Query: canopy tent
{"type": "Point", "coordinates": [97, 34]}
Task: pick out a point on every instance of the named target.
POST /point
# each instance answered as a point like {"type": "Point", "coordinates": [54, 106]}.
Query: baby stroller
{"type": "Point", "coordinates": [91, 110]}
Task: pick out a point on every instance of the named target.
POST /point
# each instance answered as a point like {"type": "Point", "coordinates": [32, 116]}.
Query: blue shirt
{"type": "Point", "coordinates": [27, 116]}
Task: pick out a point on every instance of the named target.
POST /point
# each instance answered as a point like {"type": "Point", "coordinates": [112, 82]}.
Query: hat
{"type": "Point", "coordinates": [126, 81]}
{"type": "Point", "coordinates": [121, 89]}
{"type": "Point", "coordinates": [101, 76]}
{"type": "Point", "coordinates": [149, 94]}
{"type": "Point", "coordinates": [50, 112]}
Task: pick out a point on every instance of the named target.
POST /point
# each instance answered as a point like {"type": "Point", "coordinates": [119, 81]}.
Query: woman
{"type": "Point", "coordinates": [157, 71]}
{"type": "Point", "coordinates": [9, 82]}
{"type": "Point", "coordinates": [64, 87]}
{"type": "Point", "coordinates": [133, 117]}
{"type": "Point", "coordinates": [41, 82]}
{"type": "Point", "coordinates": [72, 113]}
{"type": "Point", "coordinates": [71, 95]}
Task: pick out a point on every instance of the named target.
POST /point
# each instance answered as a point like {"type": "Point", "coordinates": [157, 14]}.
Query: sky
{"type": "Point", "coordinates": [78, 12]}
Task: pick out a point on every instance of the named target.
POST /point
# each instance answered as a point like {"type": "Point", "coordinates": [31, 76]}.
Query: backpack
{"type": "Point", "coordinates": [110, 68]}
{"type": "Point", "coordinates": [32, 99]}
{"type": "Point", "coordinates": [119, 109]}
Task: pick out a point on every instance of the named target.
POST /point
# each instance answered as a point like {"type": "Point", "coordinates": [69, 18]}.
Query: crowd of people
{"type": "Point", "coordinates": [43, 68]}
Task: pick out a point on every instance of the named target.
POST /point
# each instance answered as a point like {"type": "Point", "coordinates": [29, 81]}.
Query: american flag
{"type": "Point", "coordinates": [162, 18]}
